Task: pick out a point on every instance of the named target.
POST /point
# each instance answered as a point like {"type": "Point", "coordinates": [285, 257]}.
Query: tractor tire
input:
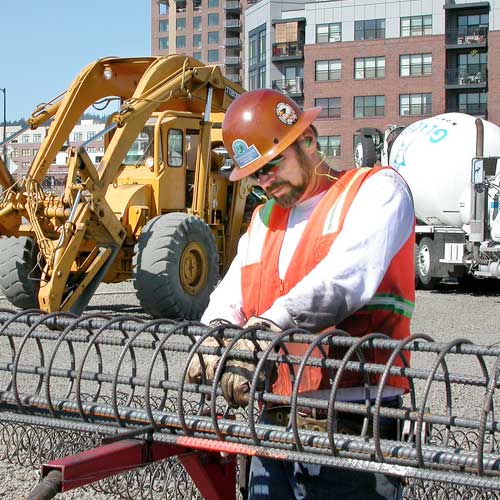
{"type": "Point", "coordinates": [425, 264]}
{"type": "Point", "coordinates": [175, 266]}
{"type": "Point", "coordinates": [19, 271]}
{"type": "Point", "coordinates": [365, 152]}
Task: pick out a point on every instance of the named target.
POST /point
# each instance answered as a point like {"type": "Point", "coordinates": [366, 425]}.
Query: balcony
{"type": "Point", "coordinates": [232, 61]}
{"type": "Point", "coordinates": [293, 87]}
{"type": "Point", "coordinates": [232, 6]}
{"type": "Point", "coordinates": [232, 24]}
{"type": "Point", "coordinates": [233, 42]}
{"type": "Point", "coordinates": [472, 76]}
{"type": "Point", "coordinates": [288, 50]}
{"type": "Point", "coordinates": [478, 109]}
{"type": "Point", "coordinates": [234, 77]}
{"type": "Point", "coordinates": [470, 36]}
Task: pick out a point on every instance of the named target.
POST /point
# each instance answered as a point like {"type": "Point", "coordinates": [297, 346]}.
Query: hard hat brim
{"type": "Point", "coordinates": [306, 119]}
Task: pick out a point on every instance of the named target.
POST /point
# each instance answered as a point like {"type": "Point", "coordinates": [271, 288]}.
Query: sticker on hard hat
{"type": "Point", "coordinates": [286, 113]}
{"type": "Point", "coordinates": [244, 154]}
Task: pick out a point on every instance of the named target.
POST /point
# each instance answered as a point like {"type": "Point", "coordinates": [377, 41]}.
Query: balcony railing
{"type": "Point", "coordinates": [477, 109]}
{"type": "Point", "coordinates": [232, 61]}
{"type": "Point", "coordinates": [232, 5]}
{"type": "Point", "coordinates": [233, 42]}
{"type": "Point", "coordinates": [232, 24]}
{"type": "Point", "coordinates": [234, 77]}
{"type": "Point", "coordinates": [468, 35]}
{"type": "Point", "coordinates": [473, 74]}
{"type": "Point", "coordinates": [291, 86]}
{"type": "Point", "coordinates": [288, 49]}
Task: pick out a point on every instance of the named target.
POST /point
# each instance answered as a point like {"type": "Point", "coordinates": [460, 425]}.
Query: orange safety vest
{"type": "Point", "coordinates": [388, 312]}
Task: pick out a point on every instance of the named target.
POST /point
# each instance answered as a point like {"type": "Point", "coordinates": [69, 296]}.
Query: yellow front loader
{"type": "Point", "coordinates": [158, 207]}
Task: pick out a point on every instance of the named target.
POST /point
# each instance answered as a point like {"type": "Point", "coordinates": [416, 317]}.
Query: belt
{"type": "Point", "coordinates": [315, 419]}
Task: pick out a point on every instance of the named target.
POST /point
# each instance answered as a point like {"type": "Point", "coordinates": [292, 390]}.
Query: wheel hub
{"type": "Point", "coordinates": [424, 260]}
{"type": "Point", "coordinates": [193, 268]}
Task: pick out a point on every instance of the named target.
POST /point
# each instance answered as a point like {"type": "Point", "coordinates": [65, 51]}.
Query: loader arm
{"type": "Point", "coordinates": [78, 235]}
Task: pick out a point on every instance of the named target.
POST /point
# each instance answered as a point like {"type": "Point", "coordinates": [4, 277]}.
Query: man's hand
{"type": "Point", "coordinates": [237, 376]}
{"type": "Point", "coordinates": [195, 370]}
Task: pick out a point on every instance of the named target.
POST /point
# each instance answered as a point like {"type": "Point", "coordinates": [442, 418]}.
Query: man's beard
{"type": "Point", "coordinates": [289, 199]}
{"type": "Point", "coordinates": [296, 191]}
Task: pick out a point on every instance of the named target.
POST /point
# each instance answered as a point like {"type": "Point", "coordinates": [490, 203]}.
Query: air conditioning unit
{"type": "Point", "coordinates": [337, 38]}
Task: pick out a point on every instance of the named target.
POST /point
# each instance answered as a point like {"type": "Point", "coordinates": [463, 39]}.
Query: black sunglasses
{"type": "Point", "coordinates": [266, 169]}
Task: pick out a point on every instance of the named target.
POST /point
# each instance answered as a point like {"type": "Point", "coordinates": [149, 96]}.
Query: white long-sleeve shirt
{"type": "Point", "coordinates": [376, 226]}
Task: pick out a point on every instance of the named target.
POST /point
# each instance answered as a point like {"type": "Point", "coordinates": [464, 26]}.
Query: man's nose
{"type": "Point", "coordinates": [265, 180]}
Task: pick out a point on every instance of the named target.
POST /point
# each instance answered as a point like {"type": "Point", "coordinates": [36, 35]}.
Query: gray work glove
{"type": "Point", "coordinates": [237, 376]}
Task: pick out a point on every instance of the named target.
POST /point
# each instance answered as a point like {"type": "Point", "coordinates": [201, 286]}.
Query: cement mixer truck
{"type": "Point", "coordinates": [450, 162]}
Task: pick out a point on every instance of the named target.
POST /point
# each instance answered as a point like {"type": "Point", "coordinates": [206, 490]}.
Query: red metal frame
{"type": "Point", "coordinates": [214, 475]}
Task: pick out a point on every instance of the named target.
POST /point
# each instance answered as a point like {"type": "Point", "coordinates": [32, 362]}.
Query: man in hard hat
{"type": "Point", "coordinates": [328, 248]}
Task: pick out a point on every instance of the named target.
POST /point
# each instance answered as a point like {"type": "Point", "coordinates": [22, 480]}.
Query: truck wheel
{"type": "Point", "coordinates": [175, 266]}
{"type": "Point", "coordinates": [19, 271]}
{"type": "Point", "coordinates": [365, 153]}
{"type": "Point", "coordinates": [425, 264]}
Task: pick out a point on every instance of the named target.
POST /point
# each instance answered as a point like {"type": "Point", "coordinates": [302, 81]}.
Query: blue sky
{"type": "Point", "coordinates": [44, 44]}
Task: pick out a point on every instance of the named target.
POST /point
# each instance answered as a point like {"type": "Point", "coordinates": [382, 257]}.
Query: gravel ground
{"type": "Point", "coordinates": [445, 314]}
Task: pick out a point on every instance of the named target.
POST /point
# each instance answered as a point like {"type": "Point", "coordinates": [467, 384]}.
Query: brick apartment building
{"type": "Point", "coordinates": [368, 63]}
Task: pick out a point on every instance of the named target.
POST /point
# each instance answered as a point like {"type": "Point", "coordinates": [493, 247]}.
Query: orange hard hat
{"type": "Point", "coordinates": [259, 125]}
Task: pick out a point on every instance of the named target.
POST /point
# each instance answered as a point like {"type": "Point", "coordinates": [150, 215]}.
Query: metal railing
{"type": "Point", "coordinates": [467, 35]}
{"type": "Point", "coordinates": [288, 49]}
{"type": "Point", "coordinates": [232, 23]}
{"type": "Point", "coordinates": [475, 109]}
{"type": "Point", "coordinates": [292, 86]}
{"type": "Point", "coordinates": [473, 74]}
{"type": "Point", "coordinates": [232, 5]}
{"type": "Point", "coordinates": [233, 42]}
{"type": "Point", "coordinates": [232, 60]}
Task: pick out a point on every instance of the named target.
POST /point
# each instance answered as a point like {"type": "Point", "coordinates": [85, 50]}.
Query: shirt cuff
{"type": "Point", "coordinates": [279, 315]}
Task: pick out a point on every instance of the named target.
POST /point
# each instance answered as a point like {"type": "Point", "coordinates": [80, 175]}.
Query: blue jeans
{"type": "Point", "coordinates": [275, 479]}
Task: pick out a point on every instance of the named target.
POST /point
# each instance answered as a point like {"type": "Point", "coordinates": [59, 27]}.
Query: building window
{"type": "Point", "coordinates": [37, 138]}
{"type": "Point", "coordinates": [328, 33]}
{"type": "Point", "coordinates": [330, 145]}
{"type": "Point", "coordinates": [197, 23]}
{"type": "Point", "coordinates": [213, 19]}
{"type": "Point", "coordinates": [213, 37]}
{"type": "Point", "coordinates": [78, 136]}
{"type": "Point", "coordinates": [467, 24]}
{"type": "Point", "coordinates": [369, 29]}
{"type": "Point", "coordinates": [257, 78]}
{"type": "Point", "coordinates": [180, 42]}
{"type": "Point", "coordinates": [163, 8]}
{"type": "Point", "coordinates": [163, 26]}
{"type": "Point", "coordinates": [180, 6]}
{"type": "Point", "coordinates": [369, 67]}
{"type": "Point", "coordinates": [26, 164]}
{"type": "Point", "coordinates": [14, 154]}
{"type": "Point", "coordinates": [91, 149]}
{"type": "Point", "coordinates": [197, 55]}
{"type": "Point", "coordinates": [26, 152]}
{"type": "Point", "coordinates": [196, 5]}
{"type": "Point", "coordinates": [25, 139]}
{"type": "Point", "coordinates": [212, 4]}
{"type": "Point", "coordinates": [213, 55]}
{"type": "Point", "coordinates": [35, 152]}
{"type": "Point", "coordinates": [163, 43]}
{"type": "Point", "coordinates": [257, 58]}
{"type": "Point", "coordinates": [328, 70]}
{"type": "Point", "coordinates": [197, 40]}
{"type": "Point", "coordinates": [415, 104]}
{"type": "Point", "coordinates": [330, 107]}
{"type": "Point", "coordinates": [473, 103]}
{"type": "Point", "coordinates": [369, 105]}
{"type": "Point", "coordinates": [415, 64]}
{"type": "Point", "coordinates": [416, 25]}
{"type": "Point", "coordinates": [180, 23]}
